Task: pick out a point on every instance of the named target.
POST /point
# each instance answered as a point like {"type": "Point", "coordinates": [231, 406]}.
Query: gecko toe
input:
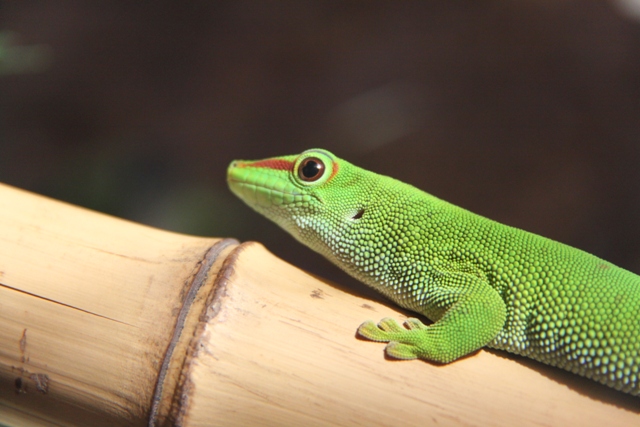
{"type": "Point", "coordinates": [401, 351]}
{"type": "Point", "coordinates": [390, 325]}
{"type": "Point", "coordinates": [385, 331]}
{"type": "Point", "coordinates": [371, 331]}
{"type": "Point", "coordinates": [413, 323]}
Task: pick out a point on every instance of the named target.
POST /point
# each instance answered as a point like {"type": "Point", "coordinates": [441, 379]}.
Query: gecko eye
{"type": "Point", "coordinates": [311, 169]}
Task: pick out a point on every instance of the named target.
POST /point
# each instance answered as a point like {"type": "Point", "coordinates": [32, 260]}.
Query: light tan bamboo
{"type": "Point", "coordinates": [262, 344]}
{"type": "Point", "coordinates": [280, 350]}
{"type": "Point", "coordinates": [88, 307]}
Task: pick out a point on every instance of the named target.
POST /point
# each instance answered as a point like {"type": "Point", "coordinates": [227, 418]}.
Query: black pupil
{"type": "Point", "coordinates": [311, 169]}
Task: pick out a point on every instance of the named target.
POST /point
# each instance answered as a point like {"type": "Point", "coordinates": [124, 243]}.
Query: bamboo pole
{"type": "Point", "coordinates": [281, 351]}
{"type": "Point", "coordinates": [128, 325]}
{"type": "Point", "coordinates": [88, 309]}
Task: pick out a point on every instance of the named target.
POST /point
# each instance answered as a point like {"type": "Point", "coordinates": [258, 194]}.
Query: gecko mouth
{"type": "Point", "coordinates": [265, 196]}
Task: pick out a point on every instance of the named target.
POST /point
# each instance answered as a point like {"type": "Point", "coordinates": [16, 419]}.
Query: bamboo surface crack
{"type": "Point", "coordinates": [21, 291]}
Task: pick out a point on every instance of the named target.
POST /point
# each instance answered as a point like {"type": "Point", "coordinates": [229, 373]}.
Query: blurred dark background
{"type": "Point", "coordinates": [526, 112]}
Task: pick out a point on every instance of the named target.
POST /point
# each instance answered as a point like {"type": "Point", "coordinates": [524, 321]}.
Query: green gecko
{"type": "Point", "coordinates": [482, 283]}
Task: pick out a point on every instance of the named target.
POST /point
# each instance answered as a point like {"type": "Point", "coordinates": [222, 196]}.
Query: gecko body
{"type": "Point", "coordinates": [480, 282]}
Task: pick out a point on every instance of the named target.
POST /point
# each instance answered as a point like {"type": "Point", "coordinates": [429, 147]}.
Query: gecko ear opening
{"type": "Point", "coordinates": [359, 214]}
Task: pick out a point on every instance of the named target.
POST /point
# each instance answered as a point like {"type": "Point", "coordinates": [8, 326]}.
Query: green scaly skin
{"type": "Point", "coordinates": [481, 283]}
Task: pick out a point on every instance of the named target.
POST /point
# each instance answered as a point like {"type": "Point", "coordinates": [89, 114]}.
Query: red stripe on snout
{"type": "Point", "coordinates": [277, 164]}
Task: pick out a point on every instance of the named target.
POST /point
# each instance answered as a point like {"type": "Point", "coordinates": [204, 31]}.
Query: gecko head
{"type": "Point", "coordinates": [307, 194]}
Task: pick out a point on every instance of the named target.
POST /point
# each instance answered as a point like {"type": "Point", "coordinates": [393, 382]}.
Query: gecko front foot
{"type": "Point", "coordinates": [404, 343]}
